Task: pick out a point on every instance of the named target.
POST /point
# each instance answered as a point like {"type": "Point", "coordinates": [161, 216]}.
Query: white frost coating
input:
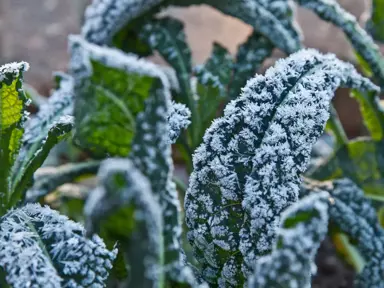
{"type": "Point", "coordinates": [292, 260]}
{"type": "Point", "coordinates": [246, 172]}
{"type": "Point", "coordinates": [82, 52]}
{"type": "Point", "coordinates": [103, 18]}
{"type": "Point", "coordinates": [178, 119]}
{"type": "Point", "coordinates": [13, 69]}
{"type": "Point", "coordinates": [110, 196]}
{"type": "Point", "coordinates": [66, 259]}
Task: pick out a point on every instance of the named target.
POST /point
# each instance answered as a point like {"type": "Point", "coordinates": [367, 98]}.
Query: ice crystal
{"type": "Point", "coordinates": [247, 170]}
{"type": "Point", "coordinates": [41, 248]}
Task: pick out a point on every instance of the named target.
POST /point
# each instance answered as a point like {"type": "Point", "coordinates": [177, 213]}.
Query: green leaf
{"type": "Point", "coordinates": [303, 227]}
{"type": "Point", "coordinates": [361, 160]}
{"type": "Point", "coordinates": [372, 112]}
{"type": "Point", "coordinates": [211, 87]}
{"type": "Point", "coordinates": [111, 89]}
{"type": "Point", "coordinates": [246, 171]}
{"type": "Point", "coordinates": [41, 248]}
{"type": "Point", "coordinates": [33, 158]}
{"type": "Point", "coordinates": [376, 24]}
{"type": "Point", "coordinates": [167, 36]}
{"type": "Point", "coordinates": [68, 173]}
{"type": "Point", "coordinates": [128, 39]}
{"type": "Point", "coordinates": [13, 102]}
{"type": "Point", "coordinates": [51, 125]}
{"type": "Point", "coordinates": [250, 56]}
{"type": "Point", "coordinates": [124, 209]}
{"type": "Point", "coordinates": [330, 10]}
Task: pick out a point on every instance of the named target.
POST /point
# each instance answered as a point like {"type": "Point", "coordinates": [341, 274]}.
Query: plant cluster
{"type": "Point", "coordinates": [255, 208]}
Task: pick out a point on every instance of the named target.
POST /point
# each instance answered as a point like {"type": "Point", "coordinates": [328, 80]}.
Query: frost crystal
{"type": "Point", "coordinates": [303, 227]}
{"type": "Point", "coordinates": [40, 248]}
{"type": "Point", "coordinates": [13, 69]}
{"type": "Point", "coordinates": [178, 119]}
{"type": "Point", "coordinates": [247, 170]}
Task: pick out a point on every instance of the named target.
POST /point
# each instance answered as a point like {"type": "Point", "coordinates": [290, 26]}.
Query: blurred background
{"type": "Point", "coordinates": [36, 31]}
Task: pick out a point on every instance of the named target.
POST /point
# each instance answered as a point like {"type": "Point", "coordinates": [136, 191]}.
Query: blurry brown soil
{"type": "Point", "coordinates": [332, 272]}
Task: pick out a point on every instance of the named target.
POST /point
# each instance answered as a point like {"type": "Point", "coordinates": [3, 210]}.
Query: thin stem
{"type": "Point", "coordinates": [335, 126]}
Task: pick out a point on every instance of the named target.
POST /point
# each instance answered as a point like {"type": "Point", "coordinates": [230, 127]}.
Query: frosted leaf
{"type": "Point", "coordinates": [104, 18]}
{"type": "Point", "coordinates": [250, 56]}
{"type": "Point", "coordinates": [60, 103]}
{"type": "Point", "coordinates": [211, 86]}
{"type": "Point", "coordinates": [330, 10]}
{"type": "Point", "coordinates": [41, 248]}
{"type": "Point", "coordinates": [272, 18]}
{"type": "Point", "coordinates": [247, 170]}
{"type": "Point", "coordinates": [354, 214]}
{"type": "Point", "coordinates": [124, 193]}
{"type": "Point", "coordinates": [34, 153]}
{"type": "Point", "coordinates": [167, 36]}
{"type": "Point", "coordinates": [111, 89]}
{"type": "Point", "coordinates": [61, 175]}
{"type": "Point", "coordinates": [359, 160]}
{"type": "Point", "coordinates": [178, 119]}
{"type": "Point", "coordinates": [375, 24]}
{"type": "Point", "coordinates": [303, 227]}
{"type": "Point", "coordinates": [13, 114]}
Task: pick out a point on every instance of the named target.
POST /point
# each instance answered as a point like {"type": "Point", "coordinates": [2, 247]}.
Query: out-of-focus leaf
{"type": "Point", "coordinates": [331, 11]}
{"type": "Point", "coordinates": [68, 173]}
{"type": "Point", "coordinates": [362, 161]}
{"type": "Point", "coordinates": [303, 227]}
{"type": "Point", "coordinates": [211, 85]}
{"type": "Point", "coordinates": [375, 25]}
{"type": "Point", "coordinates": [372, 112]}
{"type": "Point", "coordinates": [111, 89]}
{"type": "Point", "coordinates": [250, 56]}
{"type": "Point", "coordinates": [13, 102]}
{"type": "Point", "coordinates": [122, 208]}
{"type": "Point", "coordinates": [167, 36]}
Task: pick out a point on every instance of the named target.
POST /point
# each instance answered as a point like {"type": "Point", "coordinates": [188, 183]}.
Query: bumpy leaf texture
{"type": "Point", "coordinates": [354, 215]}
{"type": "Point", "coordinates": [303, 227]}
{"type": "Point", "coordinates": [41, 248]}
{"type": "Point", "coordinates": [247, 170]}
{"type": "Point", "coordinates": [13, 102]}
{"type": "Point", "coordinates": [123, 205]}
